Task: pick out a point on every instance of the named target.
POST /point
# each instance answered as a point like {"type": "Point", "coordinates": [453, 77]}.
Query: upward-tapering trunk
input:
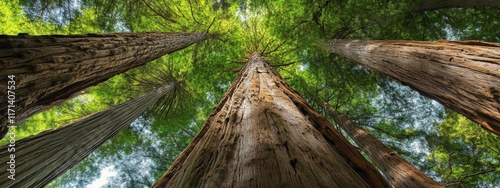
{"type": "Point", "coordinates": [428, 5]}
{"type": "Point", "coordinates": [37, 160]}
{"type": "Point", "coordinates": [51, 69]}
{"type": "Point", "coordinates": [263, 134]}
{"type": "Point", "coordinates": [462, 75]}
{"type": "Point", "coordinates": [398, 171]}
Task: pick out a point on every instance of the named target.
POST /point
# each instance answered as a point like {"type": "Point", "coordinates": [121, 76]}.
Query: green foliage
{"type": "Point", "coordinates": [463, 154]}
{"type": "Point", "coordinates": [14, 21]}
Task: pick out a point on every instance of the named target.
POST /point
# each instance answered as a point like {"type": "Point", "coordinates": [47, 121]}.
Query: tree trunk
{"type": "Point", "coordinates": [51, 69]}
{"type": "Point", "coordinates": [41, 158]}
{"type": "Point", "coordinates": [399, 172]}
{"type": "Point", "coordinates": [263, 134]}
{"type": "Point", "coordinates": [462, 75]}
{"type": "Point", "coordinates": [428, 5]}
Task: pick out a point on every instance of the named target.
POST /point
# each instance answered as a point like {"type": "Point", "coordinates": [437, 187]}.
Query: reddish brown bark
{"type": "Point", "coordinates": [41, 158]}
{"type": "Point", "coordinates": [462, 75]}
{"type": "Point", "coordinates": [263, 134]}
{"type": "Point", "coordinates": [399, 172]}
{"type": "Point", "coordinates": [51, 69]}
{"type": "Point", "coordinates": [428, 5]}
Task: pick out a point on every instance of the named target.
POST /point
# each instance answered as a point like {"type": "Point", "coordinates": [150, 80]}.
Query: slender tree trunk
{"type": "Point", "coordinates": [462, 75]}
{"type": "Point", "coordinates": [41, 158]}
{"type": "Point", "coordinates": [51, 69]}
{"type": "Point", "coordinates": [428, 5]}
{"type": "Point", "coordinates": [263, 134]}
{"type": "Point", "coordinates": [399, 172]}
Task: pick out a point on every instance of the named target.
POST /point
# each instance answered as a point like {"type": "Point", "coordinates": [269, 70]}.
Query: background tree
{"type": "Point", "coordinates": [457, 74]}
{"type": "Point", "coordinates": [39, 164]}
{"type": "Point", "coordinates": [70, 64]}
{"type": "Point", "coordinates": [400, 172]}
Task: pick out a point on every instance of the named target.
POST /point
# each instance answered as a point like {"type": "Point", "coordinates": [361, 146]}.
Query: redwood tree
{"type": "Point", "coordinates": [41, 158]}
{"type": "Point", "coordinates": [462, 75]}
{"type": "Point", "coordinates": [51, 69]}
{"type": "Point", "coordinates": [263, 134]}
{"type": "Point", "coordinates": [399, 172]}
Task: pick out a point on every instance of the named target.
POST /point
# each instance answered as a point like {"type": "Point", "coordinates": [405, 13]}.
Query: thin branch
{"type": "Point", "coordinates": [192, 14]}
{"type": "Point", "coordinates": [283, 64]}
{"type": "Point", "coordinates": [265, 47]}
{"type": "Point", "coordinates": [209, 26]}
{"type": "Point", "coordinates": [158, 13]}
{"type": "Point", "coordinates": [275, 49]}
{"type": "Point", "coordinates": [460, 180]}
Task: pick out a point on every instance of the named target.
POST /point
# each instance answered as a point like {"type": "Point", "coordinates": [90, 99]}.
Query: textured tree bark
{"type": "Point", "coordinates": [41, 158]}
{"type": "Point", "coordinates": [399, 172]}
{"type": "Point", "coordinates": [428, 5]}
{"type": "Point", "coordinates": [51, 69]}
{"type": "Point", "coordinates": [263, 134]}
{"type": "Point", "coordinates": [462, 75]}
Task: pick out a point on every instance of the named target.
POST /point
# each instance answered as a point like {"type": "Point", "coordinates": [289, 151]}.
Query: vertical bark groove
{"type": "Point", "coordinates": [41, 158]}
{"type": "Point", "coordinates": [259, 137]}
{"type": "Point", "coordinates": [51, 69]}
{"type": "Point", "coordinates": [461, 75]}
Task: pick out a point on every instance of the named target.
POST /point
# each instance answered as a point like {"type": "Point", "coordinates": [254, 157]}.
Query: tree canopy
{"type": "Point", "coordinates": [445, 145]}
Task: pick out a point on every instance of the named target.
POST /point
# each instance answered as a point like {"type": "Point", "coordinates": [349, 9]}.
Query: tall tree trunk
{"type": "Point", "coordinates": [462, 75]}
{"type": "Point", "coordinates": [41, 158]}
{"type": "Point", "coordinates": [399, 172]}
{"type": "Point", "coordinates": [263, 134]}
{"type": "Point", "coordinates": [51, 69]}
{"type": "Point", "coordinates": [428, 5]}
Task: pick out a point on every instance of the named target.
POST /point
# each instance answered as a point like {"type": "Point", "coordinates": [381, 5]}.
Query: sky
{"type": "Point", "coordinates": [106, 173]}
